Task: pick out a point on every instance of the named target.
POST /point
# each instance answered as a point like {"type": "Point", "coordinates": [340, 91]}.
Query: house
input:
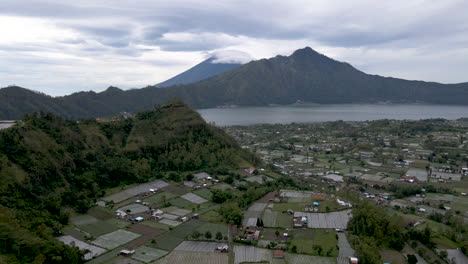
{"type": "Point", "coordinates": [353, 260]}
{"type": "Point", "coordinates": [126, 253]}
{"type": "Point", "coordinates": [300, 221]}
{"type": "Point", "coordinates": [121, 213]}
{"type": "Point", "coordinates": [278, 254]}
{"type": "Point", "coordinates": [138, 219]}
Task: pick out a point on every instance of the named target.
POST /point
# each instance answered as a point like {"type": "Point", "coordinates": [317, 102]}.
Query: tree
{"type": "Point", "coordinates": [196, 234]}
{"type": "Point", "coordinates": [294, 249]}
{"type": "Point", "coordinates": [412, 259]}
{"type": "Point", "coordinates": [208, 235]}
{"type": "Point", "coordinates": [219, 236]}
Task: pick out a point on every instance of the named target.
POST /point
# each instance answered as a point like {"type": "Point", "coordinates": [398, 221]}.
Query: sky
{"type": "Point", "coordinates": [60, 47]}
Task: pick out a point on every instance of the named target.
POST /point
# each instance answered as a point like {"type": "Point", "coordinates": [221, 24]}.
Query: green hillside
{"type": "Point", "coordinates": [49, 165]}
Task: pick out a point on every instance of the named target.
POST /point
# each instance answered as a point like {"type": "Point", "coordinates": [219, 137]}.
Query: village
{"type": "Point", "coordinates": [421, 177]}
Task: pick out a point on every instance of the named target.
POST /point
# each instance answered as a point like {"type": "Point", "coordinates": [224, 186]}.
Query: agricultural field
{"type": "Point", "coordinates": [194, 257]}
{"type": "Point", "coordinates": [115, 239]}
{"type": "Point", "coordinates": [93, 250]}
{"type": "Point", "coordinates": [319, 242]}
{"type": "Point", "coordinates": [199, 246]}
{"type": "Point", "coordinates": [147, 254]}
{"type": "Point", "coordinates": [338, 219]}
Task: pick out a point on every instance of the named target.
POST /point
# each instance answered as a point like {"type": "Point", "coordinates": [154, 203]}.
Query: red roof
{"type": "Point", "coordinates": [278, 253]}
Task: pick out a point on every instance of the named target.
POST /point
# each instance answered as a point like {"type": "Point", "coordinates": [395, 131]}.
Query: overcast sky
{"type": "Point", "coordinates": [60, 47]}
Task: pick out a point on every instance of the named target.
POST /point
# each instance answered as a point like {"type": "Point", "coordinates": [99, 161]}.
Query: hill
{"type": "Point", "coordinates": [306, 75]}
{"type": "Point", "coordinates": [50, 165]}
{"type": "Point", "coordinates": [203, 70]}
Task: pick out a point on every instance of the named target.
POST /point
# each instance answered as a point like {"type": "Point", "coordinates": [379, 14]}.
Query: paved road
{"type": "Point", "coordinates": [345, 248]}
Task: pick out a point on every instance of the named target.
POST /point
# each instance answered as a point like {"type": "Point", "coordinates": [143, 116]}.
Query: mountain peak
{"type": "Point", "coordinates": [307, 51]}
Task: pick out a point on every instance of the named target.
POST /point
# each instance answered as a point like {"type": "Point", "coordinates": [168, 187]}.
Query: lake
{"type": "Point", "coordinates": [332, 112]}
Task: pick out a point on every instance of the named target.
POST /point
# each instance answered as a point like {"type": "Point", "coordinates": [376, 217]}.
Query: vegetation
{"type": "Point", "coordinates": [305, 75]}
{"type": "Point", "coordinates": [48, 164]}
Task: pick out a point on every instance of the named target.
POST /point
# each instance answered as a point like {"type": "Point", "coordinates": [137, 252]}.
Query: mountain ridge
{"type": "Point", "coordinates": [202, 70]}
{"type": "Point", "coordinates": [305, 75]}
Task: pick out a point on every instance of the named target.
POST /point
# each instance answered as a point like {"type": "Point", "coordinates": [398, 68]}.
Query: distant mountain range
{"type": "Point", "coordinates": [201, 71]}
{"type": "Point", "coordinates": [306, 76]}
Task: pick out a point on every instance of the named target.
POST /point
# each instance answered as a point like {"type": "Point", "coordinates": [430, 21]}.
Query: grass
{"type": "Point", "coordinates": [212, 217]}
{"type": "Point", "coordinates": [98, 228]}
{"type": "Point", "coordinates": [159, 197]}
{"type": "Point", "coordinates": [182, 203]}
{"type": "Point", "coordinates": [204, 193]}
{"type": "Point", "coordinates": [156, 225]}
{"type": "Point", "coordinates": [100, 213]}
{"type": "Point", "coordinates": [213, 228]}
{"type": "Point", "coordinates": [284, 220]}
{"type": "Point", "coordinates": [118, 223]}
{"type": "Point", "coordinates": [177, 189]}
{"type": "Point", "coordinates": [167, 241]}
{"type": "Point", "coordinates": [147, 254]}
{"type": "Point", "coordinates": [306, 239]}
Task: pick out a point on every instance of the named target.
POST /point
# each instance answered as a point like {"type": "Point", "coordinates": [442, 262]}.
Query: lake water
{"type": "Point", "coordinates": [322, 113]}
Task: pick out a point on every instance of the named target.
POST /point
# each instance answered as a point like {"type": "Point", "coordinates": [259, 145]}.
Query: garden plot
{"type": "Point", "coordinates": [298, 194]}
{"type": "Point", "coordinates": [194, 198]}
{"type": "Point", "coordinates": [134, 208]}
{"type": "Point", "coordinates": [98, 228]}
{"type": "Point", "coordinates": [269, 218]}
{"type": "Point", "coordinates": [251, 254]}
{"type": "Point", "coordinates": [170, 222]}
{"type": "Point", "coordinates": [180, 202]}
{"type": "Point", "coordinates": [257, 207]}
{"type": "Point", "coordinates": [249, 222]}
{"type": "Point", "coordinates": [147, 232]}
{"type": "Point", "coordinates": [258, 179]}
{"type": "Point", "coordinates": [327, 220]}
{"type": "Point", "coordinates": [421, 175]}
{"type": "Point", "coordinates": [194, 257]}
{"type": "Point", "coordinates": [124, 195]}
{"type": "Point", "coordinates": [169, 216]}
{"type": "Point", "coordinates": [115, 239]}
{"type": "Point", "coordinates": [181, 212]}
{"type": "Point", "coordinates": [147, 254]}
{"type": "Point", "coordinates": [306, 259]}
{"type": "Point", "coordinates": [93, 250]}
{"type": "Point", "coordinates": [199, 246]}
{"type": "Point", "coordinates": [83, 220]}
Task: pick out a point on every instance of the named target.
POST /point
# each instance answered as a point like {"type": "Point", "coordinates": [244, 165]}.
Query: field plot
{"type": "Point", "coordinates": [124, 195]}
{"type": "Point", "coordinates": [194, 257]}
{"type": "Point", "coordinates": [135, 208]}
{"type": "Point", "coordinates": [194, 198]}
{"type": "Point", "coordinates": [177, 189]}
{"type": "Point", "coordinates": [147, 232]}
{"type": "Point", "coordinates": [181, 212]}
{"type": "Point", "coordinates": [327, 220]}
{"type": "Point", "coordinates": [147, 254]}
{"type": "Point", "coordinates": [199, 246]}
{"type": "Point", "coordinates": [93, 250]}
{"type": "Point", "coordinates": [289, 193]}
{"type": "Point", "coordinates": [421, 175]}
{"type": "Point", "coordinates": [169, 216]}
{"type": "Point", "coordinates": [258, 179]}
{"type": "Point", "coordinates": [74, 232]}
{"type": "Point", "coordinates": [258, 207]}
{"type": "Point", "coordinates": [160, 197]}
{"type": "Point", "coordinates": [170, 222]}
{"type": "Point", "coordinates": [83, 220]}
{"type": "Point", "coordinates": [306, 239]}
{"type": "Point", "coordinates": [123, 260]}
{"type": "Point", "coordinates": [269, 218]}
{"type": "Point", "coordinates": [204, 193]}
{"type": "Point", "coordinates": [115, 239]}
{"type": "Point", "coordinates": [98, 228]}
{"type": "Point", "coordinates": [168, 241]}
{"type": "Point", "coordinates": [213, 228]}
{"type": "Point", "coordinates": [118, 223]}
{"type": "Point", "coordinates": [305, 259]}
{"type": "Point", "coordinates": [180, 202]}
{"type": "Point", "coordinates": [251, 254]}
{"type": "Point", "coordinates": [100, 213]}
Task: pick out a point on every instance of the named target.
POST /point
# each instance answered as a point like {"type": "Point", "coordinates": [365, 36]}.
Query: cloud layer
{"type": "Point", "coordinates": [60, 47]}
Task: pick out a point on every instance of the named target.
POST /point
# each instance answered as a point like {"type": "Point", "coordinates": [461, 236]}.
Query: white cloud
{"type": "Point", "coordinates": [60, 47]}
{"type": "Point", "coordinates": [230, 56]}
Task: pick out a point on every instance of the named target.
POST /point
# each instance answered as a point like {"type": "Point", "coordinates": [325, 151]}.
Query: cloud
{"type": "Point", "coordinates": [230, 56]}
{"type": "Point", "coordinates": [61, 46]}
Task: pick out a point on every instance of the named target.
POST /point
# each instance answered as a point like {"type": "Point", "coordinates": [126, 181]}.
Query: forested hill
{"type": "Point", "coordinates": [306, 75]}
{"type": "Point", "coordinates": [49, 166]}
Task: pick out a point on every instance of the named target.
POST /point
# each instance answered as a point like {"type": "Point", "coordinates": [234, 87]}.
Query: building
{"type": "Point", "coordinates": [278, 254]}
